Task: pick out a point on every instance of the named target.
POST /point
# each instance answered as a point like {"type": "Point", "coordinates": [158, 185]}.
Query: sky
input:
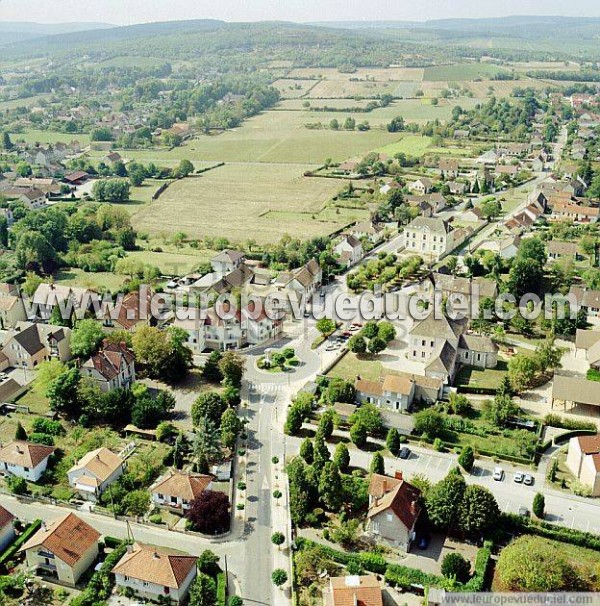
{"type": "Point", "coordinates": [127, 12]}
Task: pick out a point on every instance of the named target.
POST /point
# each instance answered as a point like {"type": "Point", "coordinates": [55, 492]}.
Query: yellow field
{"type": "Point", "coordinates": [239, 202]}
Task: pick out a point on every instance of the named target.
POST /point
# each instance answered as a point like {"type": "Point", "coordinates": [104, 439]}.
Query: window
{"type": "Point", "coordinates": [375, 527]}
{"type": "Point", "coordinates": [389, 517]}
{"type": "Point", "coordinates": [422, 354]}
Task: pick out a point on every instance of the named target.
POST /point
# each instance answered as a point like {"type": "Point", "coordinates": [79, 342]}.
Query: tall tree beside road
{"type": "Point", "coordinates": [209, 512]}
{"type": "Point", "coordinates": [444, 499]}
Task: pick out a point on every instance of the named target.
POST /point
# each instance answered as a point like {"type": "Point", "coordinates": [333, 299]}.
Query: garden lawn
{"type": "Point", "coordinates": [489, 378]}
{"type": "Point", "coordinates": [351, 365]}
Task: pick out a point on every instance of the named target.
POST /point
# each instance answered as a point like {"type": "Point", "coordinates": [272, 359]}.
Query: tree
{"type": "Point", "coordinates": [320, 452]}
{"type": "Point", "coordinates": [278, 538]}
{"type": "Point", "coordinates": [209, 512]}
{"type": "Point", "coordinates": [455, 566]}
{"type": "Point", "coordinates": [209, 405]}
{"type": "Point", "coordinates": [370, 330]}
{"type": "Point", "coordinates": [369, 416]}
{"type": "Point", "coordinates": [491, 209]}
{"type": "Point", "coordinates": [211, 371]}
{"type": "Point", "coordinates": [341, 457]}
{"type": "Point", "coordinates": [325, 326]}
{"type": "Point", "coordinates": [326, 423]}
{"type": "Point", "coordinates": [232, 367]}
{"type": "Point", "coordinates": [3, 231]}
{"type": "Point", "coordinates": [16, 484]}
{"type": "Point", "coordinates": [147, 412]}
{"type": "Point", "coordinates": [525, 276]}
{"type": "Point", "coordinates": [279, 577]}
{"type": "Point", "coordinates": [479, 511]}
{"type": "Point", "coordinates": [548, 355]}
{"type": "Point", "coordinates": [392, 441]}
{"type": "Point", "coordinates": [207, 441]}
{"type": "Point", "coordinates": [307, 451]}
{"type": "Point", "coordinates": [111, 190]}
{"type": "Point", "coordinates": [7, 144]}
{"type": "Point", "coordinates": [444, 499]}
{"type": "Point", "coordinates": [396, 125]}
{"type": "Point", "coordinates": [48, 370]}
{"type": "Point", "coordinates": [539, 505]}
{"type": "Point", "coordinates": [137, 502]}
{"type": "Point", "coordinates": [522, 369]}
{"type": "Point", "coordinates": [185, 168]}
{"type": "Point", "coordinates": [459, 404]}
{"type": "Point", "coordinates": [330, 486]}
{"type": "Point", "coordinates": [533, 563]}
{"type": "Point", "coordinates": [386, 331]}
{"type": "Point", "coordinates": [377, 464]}
{"type": "Point", "coordinates": [466, 458]}
{"type": "Point", "coordinates": [33, 252]}
{"type": "Point", "coordinates": [357, 344]}
{"type": "Point", "coordinates": [334, 124]}
{"type": "Point", "coordinates": [429, 422]}
{"type": "Point", "coordinates": [340, 390]}
{"type": "Point", "coordinates": [63, 393]}
{"type": "Point", "coordinates": [376, 345]}
{"type": "Point", "coordinates": [231, 426]}
{"type": "Point", "coordinates": [86, 338]}
{"type": "Point", "coordinates": [358, 434]}
{"type": "Point", "coordinates": [20, 433]}
{"type": "Point", "coordinates": [203, 591]}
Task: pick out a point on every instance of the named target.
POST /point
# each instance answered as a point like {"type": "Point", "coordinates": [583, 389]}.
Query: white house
{"type": "Point", "coordinates": [63, 549]}
{"type": "Point", "coordinates": [226, 261]}
{"type": "Point", "coordinates": [429, 236]}
{"type": "Point", "coordinates": [394, 392]}
{"type": "Point", "coordinates": [349, 250]}
{"type": "Point", "coordinates": [113, 367]}
{"type": "Point", "coordinates": [178, 489]}
{"type": "Point", "coordinates": [155, 575]}
{"type": "Point", "coordinates": [421, 186]}
{"type": "Point", "coordinates": [368, 229]}
{"type": "Point", "coordinates": [25, 459]}
{"type": "Point", "coordinates": [95, 472]}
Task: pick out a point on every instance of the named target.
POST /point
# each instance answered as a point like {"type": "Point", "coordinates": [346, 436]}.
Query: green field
{"type": "Point", "coordinates": [461, 71]}
{"type": "Point", "coordinates": [413, 145]}
{"type": "Point", "coordinates": [174, 263]}
{"type": "Point", "coordinates": [236, 201]}
{"type": "Point", "coordinates": [97, 281]}
{"type": "Point", "coordinates": [49, 136]}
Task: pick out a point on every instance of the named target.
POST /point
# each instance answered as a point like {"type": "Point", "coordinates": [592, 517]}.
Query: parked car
{"type": "Point", "coordinates": [518, 477]}
{"type": "Point", "coordinates": [330, 346]}
{"type": "Point", "coordinates": [498, 474]}
{"type": "Point", "coordinates": [404, 453]}
{"type": "Point", "coordinates": [523, 511]}
{"type": "Point", "coordinates": [528, 480]}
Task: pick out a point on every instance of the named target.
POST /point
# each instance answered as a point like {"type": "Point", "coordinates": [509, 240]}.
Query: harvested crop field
{"type": "Point", "coordinates": [246, 201]}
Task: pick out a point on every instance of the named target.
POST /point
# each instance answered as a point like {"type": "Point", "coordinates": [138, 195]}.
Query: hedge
{"type": "Point", "coordinates": [483, 391]}
{"type": "Point", "coordinates": [11, 550]}
{"type": "Point", "coordinates": [112, 542]}
{"type": "Point", "coordinates": [221, 589]}
{"type": "Point", "coordinates": [100, 585]}
{"type": "Point", "coordinates": [482, 561]}
{"type": "Point", "coordinates": [404, 577]}
{"type": "Point", "coordinates": [558, 421]}
{"type": "Point", "coordinates": [551, 531]}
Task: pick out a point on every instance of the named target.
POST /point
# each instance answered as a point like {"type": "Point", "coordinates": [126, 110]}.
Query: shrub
{"type": "Point", "coordinates": [47, 426]}
{"type": "Point", "coordinates": [10, 551]}
{"type": "Point", "coordinates": [539, 504]}
{"type": "Point", "coordinates": [454, 565]}
{"type": "Point", "coordinates": [466, 458]}
{"type": "Point", "coordinates": [573, 424]}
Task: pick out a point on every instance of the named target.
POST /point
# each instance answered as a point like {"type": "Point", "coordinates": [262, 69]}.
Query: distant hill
{"type": "Point", "coordinates": [21, 31]}
{"type": "Point", "coordinates": [528, 27]}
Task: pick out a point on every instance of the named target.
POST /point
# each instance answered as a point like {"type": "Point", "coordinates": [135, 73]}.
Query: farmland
{"type": "Point", "coordinates": [249, 201]}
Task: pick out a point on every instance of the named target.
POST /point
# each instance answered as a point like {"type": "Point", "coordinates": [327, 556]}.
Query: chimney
{"type": "Point", "coordinates": [398, 475]}
{"type": "Point", "coordinates": [155, 556]}
{"type": "Point", "coordinates": [384, 486]}
{"type": "Point", "coordinates": [104, 343]}
{"type": "Point", "coordinates": [129, 548]}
